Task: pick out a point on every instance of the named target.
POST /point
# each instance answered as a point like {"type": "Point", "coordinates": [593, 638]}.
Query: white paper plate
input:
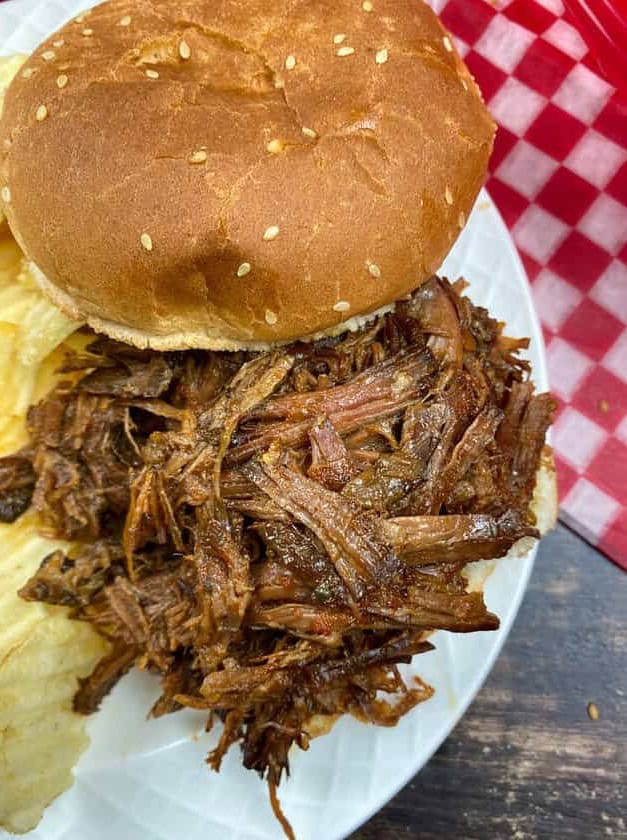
{"type": "Point", "coordinates": [147, 780]}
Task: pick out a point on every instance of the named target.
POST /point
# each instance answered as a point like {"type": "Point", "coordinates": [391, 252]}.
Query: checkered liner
{"type": "Point", "coordinates": [559, 178]}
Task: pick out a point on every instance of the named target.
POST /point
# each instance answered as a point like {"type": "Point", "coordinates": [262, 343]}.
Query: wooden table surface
{"type": "Point", "coordinates": [527, 760]}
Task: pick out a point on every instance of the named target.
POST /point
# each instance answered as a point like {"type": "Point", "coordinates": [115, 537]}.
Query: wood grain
{"type": "Point", "coordinates": [527, 761]}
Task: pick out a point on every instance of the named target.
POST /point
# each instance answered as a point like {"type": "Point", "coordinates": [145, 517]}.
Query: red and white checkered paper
{"type": "Point", "coordinates": [559, 178]}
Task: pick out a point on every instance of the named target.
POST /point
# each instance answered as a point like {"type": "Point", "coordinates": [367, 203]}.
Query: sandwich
{"type": "Point", "coordinates": [278, 448]}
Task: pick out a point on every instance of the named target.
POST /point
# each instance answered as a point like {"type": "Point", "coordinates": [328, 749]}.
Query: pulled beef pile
{"type": "Point", "coordinates": [274, 533]}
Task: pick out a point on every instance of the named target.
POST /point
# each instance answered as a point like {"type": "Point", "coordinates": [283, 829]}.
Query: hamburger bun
{"type": "Point", "coordinates": [216, 174]}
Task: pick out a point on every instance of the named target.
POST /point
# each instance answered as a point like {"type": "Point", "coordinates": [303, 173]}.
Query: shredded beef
{"type": "Point", "coordinates": [274, 533]}
{"type": "Point", "coordinates": [17, 484]}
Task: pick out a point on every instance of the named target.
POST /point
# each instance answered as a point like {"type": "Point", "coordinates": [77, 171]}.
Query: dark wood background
{"type": "Point", "coordinates": [527, 761]}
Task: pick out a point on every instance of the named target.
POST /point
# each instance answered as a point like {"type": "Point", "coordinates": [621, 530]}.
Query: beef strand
{"type": "Point", "coordinates": [17, 484]}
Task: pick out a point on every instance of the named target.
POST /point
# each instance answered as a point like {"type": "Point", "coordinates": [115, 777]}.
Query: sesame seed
{"type": "Point", "coordinates": [464, 84]}
{"type": "Point", "coordinates": [339, 38]}
{"type": "Point", "coordinates": [125, 21]}
{"type": "Point", "coordinates": [374, 270]}
{"type": "Point", "coordinates": [41, 113]}
{"type": "Point", "coordinates": [271, 317]}
{"type": "Point", "coordinates": [48, 55]}
{"type": "Point", "coordinates": [382, 56]}
{"type": "Point", "coordinates": [5, 194]}
{"type": "Point", "coordinates": [448, 46]}
{"type": "Point", "coordinates": [87, 32]}
{"type": "Point", "coordinates": [461, 219]}
{"type": "Point", "coordinates": [448, 196]}
{"type": "Point", "coordinates": [290, 62]}
{"type": "Point", "coordinates": [244, 269]}
{"type": "Point", "coordinates": [58, 44]}
{"type": "Point", "coordinates": [185, 51]}
{"type": "Point", "coordinates": [309, 132]}
{"type": "Point", "coordinates": [199, 156]}
{"type": "Point", "coordinates": [146, 241]}
{"type": "Point", "coordinates": [593, 711]}
{"type": "Point", "coordinates": [27, 74]}
{"type": "Point", "coordinates": [80, 18]}
{"type": "Point", "coordinates": [271, 233]}
{"type": "Point", "coordinates": [367, 6]}
{"type": "Point", "coordinates": [275, 147]}
{"type": "Point", "coordinates": [342, 306]}
{"type": "Point", "coordinates": [62, 81]}
{"type": "Point", "coordinates": [152, 74]}
{"type": "Point", "coordinates": [344, 51]}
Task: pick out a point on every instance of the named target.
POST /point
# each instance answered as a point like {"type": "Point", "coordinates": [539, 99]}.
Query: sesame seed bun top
{"type": "Point", "coordinates": [218, 173]}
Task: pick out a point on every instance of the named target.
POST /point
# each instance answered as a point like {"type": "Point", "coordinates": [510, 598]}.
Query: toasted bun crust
{"type": "Point", "coordinates": [189, 126]}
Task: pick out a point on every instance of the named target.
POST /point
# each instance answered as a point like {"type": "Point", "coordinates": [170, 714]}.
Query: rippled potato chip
{"type": "Point", "coordinates": [42, 652]}
{"type": "Point", "coordinates": [32, 332]}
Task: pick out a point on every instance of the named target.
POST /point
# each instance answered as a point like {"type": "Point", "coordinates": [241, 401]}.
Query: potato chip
{"type": "Point", "coordinates": [32, 336]}
{"type": "Point", "coordinates": [9, 65]}
{"type": "Point", "coordinates": [42, 652]}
